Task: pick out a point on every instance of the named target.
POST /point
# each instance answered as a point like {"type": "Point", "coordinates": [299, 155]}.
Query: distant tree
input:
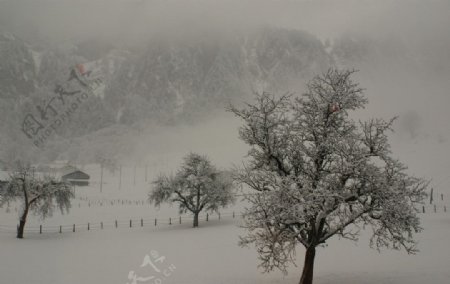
{"type": "Point", "coordinates": [318, 173]}
{"type": "Point", "coordinates": [197, 186]}
{"type": "Point", "coordinates": [39, 195]}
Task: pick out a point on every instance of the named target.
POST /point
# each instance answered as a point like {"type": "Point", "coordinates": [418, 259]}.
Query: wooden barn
{"type": "Point", "coordinates": [74, 176]}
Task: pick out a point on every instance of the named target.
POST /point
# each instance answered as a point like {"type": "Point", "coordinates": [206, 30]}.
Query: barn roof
{"type": "Point", "coordinates": [67, 170]}
{"type": "Point", "coordinates": [74, 174]}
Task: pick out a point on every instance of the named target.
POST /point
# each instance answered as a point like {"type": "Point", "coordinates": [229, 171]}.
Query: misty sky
{"type": "Point", "coordinates": [420, 99]}
{"type": "Point", "coordinates": [68, 19]}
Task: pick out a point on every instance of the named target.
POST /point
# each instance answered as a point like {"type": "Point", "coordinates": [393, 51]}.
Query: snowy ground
{"type": "Point", "coordinates": [210, 255]}
{"type": "Point", "coordinates": [205, 255]}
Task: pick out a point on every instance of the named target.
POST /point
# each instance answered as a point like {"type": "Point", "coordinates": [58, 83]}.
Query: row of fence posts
{"type": "Point", "coordinates": [432, 202]}
{"type": "Point", "coordinates": [434, 208]}
{"type": "Point", "coordinates": [140, 203]}
{"type": "Point", "coordinates": [116, 223]}
{"type": "Point", "coordinates": [432, 196]}
{"type": "Point", "coordinates": [120, 175]}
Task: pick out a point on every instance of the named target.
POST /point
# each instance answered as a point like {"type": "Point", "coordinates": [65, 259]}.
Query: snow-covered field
{"type": "Point", "coordinates": [205, 255]}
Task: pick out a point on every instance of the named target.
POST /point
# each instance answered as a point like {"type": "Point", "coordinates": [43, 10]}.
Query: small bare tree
{"type": "Point", "coordinates": [317, 173]}
{"type": "Point", "coordinates": [197, 186]}
{"type": "Point", "coordinates": [39, 195]}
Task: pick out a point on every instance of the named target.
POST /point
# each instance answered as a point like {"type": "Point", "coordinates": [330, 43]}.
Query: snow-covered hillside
{"type": "Point", "coordinates": [200, 256]}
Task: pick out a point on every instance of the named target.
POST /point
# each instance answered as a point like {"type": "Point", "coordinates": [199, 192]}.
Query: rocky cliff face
{"type": "Point", "coordinates": [169, 77]}
{"type": "Point", "coordinates": [180, 77]}
{"type": "Point", "coordinates": [166, 80]}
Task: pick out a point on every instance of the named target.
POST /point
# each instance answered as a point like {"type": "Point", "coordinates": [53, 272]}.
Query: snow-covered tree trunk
{"type": "Point", "coordinates": [308, 266]}
{"type": "Point", "coordinates": [195, 225]}
{"type": "Point", "coordinates": [22, 222]}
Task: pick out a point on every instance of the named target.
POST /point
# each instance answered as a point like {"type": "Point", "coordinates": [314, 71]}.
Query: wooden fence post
{"type": "Point", "coordinates": [40, 229]}
{"type": "Point", "coordinates": [156, 221]}
{"type": "Point", "coordinates": [207, 217]}
{"type": "Point", "coordinates": [131, 224]}
{"type": "Point", "coordinates": [101, 225]}
{"type": "Point", "coordinates": [60, 229]}
{"type": "Point", "coordinates": [233, 214]}
{"type": "Point", "coordinates": [442, 196]}
{"type": "Point", "coordinates": [423, 209]}
{"type": "Point", "coordinates": [116, 223]}
{"type": "Point", "coordinates": [170, 221]}
{"type": "Point", "coordinates": [434, 208]}
{"type": "Point", "coordinates": [431, 196]}
{"type": "Point", "coordinates": [101, 177]}
{"type": "Point", "coordinates": [142, 222]}
{"type": "Point", "coordinates": [445, 208]}
{"type": "Point", "coordinates": [88, 226]}
{"type": "Point", "coordinates": [73, 229]}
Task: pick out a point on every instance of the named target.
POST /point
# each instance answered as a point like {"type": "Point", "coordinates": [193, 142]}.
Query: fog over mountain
{"type": "Point", "coordinates": [171, 67]}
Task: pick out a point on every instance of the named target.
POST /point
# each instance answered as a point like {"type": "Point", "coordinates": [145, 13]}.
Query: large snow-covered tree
{"type": "Point", "coordinates": [319, 173]}
{"type": "Point", "coordinates": [39, 195]}
{"type": "Point", "coordinates": [198, 185]}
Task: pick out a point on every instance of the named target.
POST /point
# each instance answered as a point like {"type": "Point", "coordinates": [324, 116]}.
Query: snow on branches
{"type": "Point", "coordinates": [197, 186]}
{"type": "Point", "coordinates": [318, 173]}
{"type": "Point", "coordinates": [39, 195]}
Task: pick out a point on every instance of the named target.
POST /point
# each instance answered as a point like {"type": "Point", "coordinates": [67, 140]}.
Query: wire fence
{"type": "Point", "coordinates": [120, 223]}
{"type": "Point", "coordinates": [155, 222]}
{"type": "Point", "coordinates": [436, 204]}
{"type": "Point", "coordinates": [85, 201]}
